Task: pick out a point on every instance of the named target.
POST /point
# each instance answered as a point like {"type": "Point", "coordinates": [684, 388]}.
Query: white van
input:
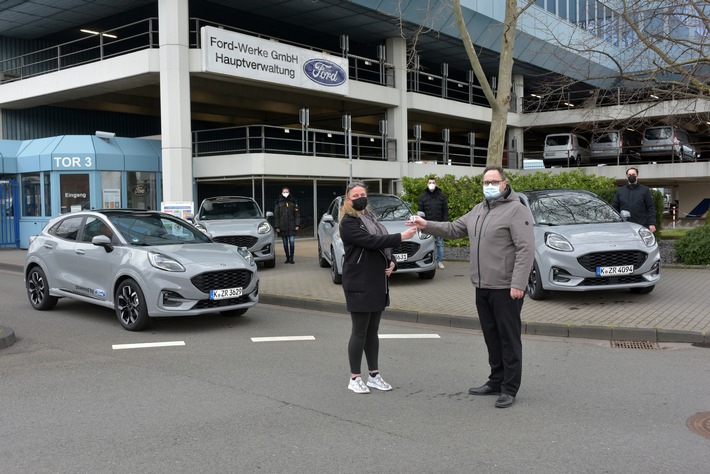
{"type": "Point", "coordinates": [567, 148]}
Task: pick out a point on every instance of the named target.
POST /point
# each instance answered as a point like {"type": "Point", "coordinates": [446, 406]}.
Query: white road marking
{"type": "Point", "coordinates": [283, 338]}
{"type": "Point", "coordinates": [409, 336]}
{"type": "Point", "coordinates": [148, 344]}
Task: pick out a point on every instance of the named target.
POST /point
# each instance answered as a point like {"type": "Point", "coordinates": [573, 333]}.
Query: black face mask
{"type": "Point", "coordinates": [360, 204]}
{"type": "Point", "coordinates": [631, 178]}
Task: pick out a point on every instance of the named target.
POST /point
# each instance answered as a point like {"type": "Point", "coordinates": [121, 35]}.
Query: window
{"type": "Point", "coordinates": [141, 190]}
{"type": "Point", "coordinates": [110, 189]}
{"type": "Point", "coordinates": [31, 195]}
{"type": "Point", "coordinates": [74, 192]}
{"type": "Point", "coordinates": [67, 228]}
{"type": "Point", "coordinates": [94, 227]}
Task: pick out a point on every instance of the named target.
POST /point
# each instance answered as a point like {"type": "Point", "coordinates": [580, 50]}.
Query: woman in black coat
{"type": "Point", "coordinates": [367, 265]}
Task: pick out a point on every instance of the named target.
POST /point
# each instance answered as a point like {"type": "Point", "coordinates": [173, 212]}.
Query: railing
{"type": "Point", "coordinates": [96, 47]}
{"type": "Point", "coordinates": [428, 152]}
{"type": "Point", "coordinates": [446, 88]}
{"type": "Point", "coordinates": [291, 141]}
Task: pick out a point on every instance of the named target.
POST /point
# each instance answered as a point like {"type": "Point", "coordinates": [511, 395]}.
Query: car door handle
{"type": "Point", "coordinates": [79, 252]}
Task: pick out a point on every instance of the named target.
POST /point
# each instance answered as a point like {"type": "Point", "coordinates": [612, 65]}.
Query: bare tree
{"type": "Point", "coordinates": [499, 99]}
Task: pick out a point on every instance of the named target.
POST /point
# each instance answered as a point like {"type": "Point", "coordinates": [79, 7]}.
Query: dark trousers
{"type": "Point", "coordinates": [500, 322]}
{"type": "Point", "coordinates": [289, 242]}
{"type": "Point", "coordinates": [364, 338]}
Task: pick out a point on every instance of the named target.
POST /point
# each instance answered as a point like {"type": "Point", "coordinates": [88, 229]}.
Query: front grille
{"type": "Point", "coordinates": [220, 280]}
{"type": "Point", "coordinates": [406, 265]}
{"type": "Point", "coordinates": [410, 248]}
{"type": "Point", "coordinates": [617, 280]}
{"type": "Point", "coordinates": [612, 259]}
{"type": "Point", "coordinates": [239, 240]}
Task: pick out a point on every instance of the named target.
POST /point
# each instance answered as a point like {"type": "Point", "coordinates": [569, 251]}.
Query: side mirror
{"type": "Point", "coordinates": [421, 214]}
{"type": "Point", "coordinates": [269, 214]}
{"type": "Point", "coordinates": [625, 215]}
{"type": "Point", "coordinates": [103, 241]}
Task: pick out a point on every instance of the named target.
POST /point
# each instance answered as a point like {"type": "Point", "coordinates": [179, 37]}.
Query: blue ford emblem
{"type": "Point", "coordinates": [324, 72]}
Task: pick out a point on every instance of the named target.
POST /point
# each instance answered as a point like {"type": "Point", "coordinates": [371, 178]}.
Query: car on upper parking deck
{"type": "Point", "coordinates": [414, 255]}
{"type": "Point", "coordinates": [583, 244]}
{"type": "Point", "coordinates": [141, 264]}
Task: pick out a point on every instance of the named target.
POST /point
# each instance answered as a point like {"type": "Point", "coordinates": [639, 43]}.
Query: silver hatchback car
{"type": "Point", "coordinates": [141, 264]}
{"type": "Point", "coordinates": [414, 255]}
{"type": "Point", "coordinates": [238, 220]}
{"type": "Point", "coordinates": [582, 244]}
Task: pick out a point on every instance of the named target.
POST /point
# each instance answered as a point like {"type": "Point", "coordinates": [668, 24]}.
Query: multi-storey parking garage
{"type": "Point", "coordinates": [247, 96]}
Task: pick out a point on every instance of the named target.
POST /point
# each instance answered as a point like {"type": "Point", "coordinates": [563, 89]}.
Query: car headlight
{"type": "Point", "coordinates": [264, 228]}
{"type": "Point", "coordinates": [163, 262]}
{"type": "Point", "coordinates": [246, 254]}
{"type": "Point", "coordinates": [647, 236]}
{"type": "Point", "coordinates": [422, 235]}
{"type": "Point", "coordinates": [201, 228]}
{"type": "Point", "coordinates": [557, 242]}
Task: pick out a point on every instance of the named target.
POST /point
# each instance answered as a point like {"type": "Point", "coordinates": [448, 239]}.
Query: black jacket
{"type": "Point", "coordinates": [364, 281]}
{"type": "Point", "coordinates": [286, 216]}
{"type": "Point", "coordinates": [637, 199]}
{"type": "Point", "coordinates": [434, 205]}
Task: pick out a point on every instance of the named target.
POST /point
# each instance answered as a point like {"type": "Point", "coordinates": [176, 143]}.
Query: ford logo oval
{"type": "Point", "coordinates": [140, 190]}
{"type": "Point", "coordinates": [324, 72]}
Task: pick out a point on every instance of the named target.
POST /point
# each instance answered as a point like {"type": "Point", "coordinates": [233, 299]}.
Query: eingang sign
{"type": "Point", "coordinates": [236, 54]}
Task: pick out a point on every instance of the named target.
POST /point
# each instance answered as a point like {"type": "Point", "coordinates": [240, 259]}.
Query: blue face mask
{"type": "Point", "coordinates": [491, 191]}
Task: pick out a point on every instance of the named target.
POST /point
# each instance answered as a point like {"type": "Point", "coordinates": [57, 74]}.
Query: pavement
{"type": "Point", "coordinates": [676, 311]}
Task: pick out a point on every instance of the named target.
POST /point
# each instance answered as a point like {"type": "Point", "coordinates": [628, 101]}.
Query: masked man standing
{"type": "Point", "coordinates": [636, 198]}
{"type": "Point", "coordinates": [287, 221]}
{"type": "Point", "coordinates": [435, 206]}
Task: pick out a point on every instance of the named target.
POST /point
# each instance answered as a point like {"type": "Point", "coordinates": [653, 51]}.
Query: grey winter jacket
{"type": "Point", "coordinates": [502, 241]}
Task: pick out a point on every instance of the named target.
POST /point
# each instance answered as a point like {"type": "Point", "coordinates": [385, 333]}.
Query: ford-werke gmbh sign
{"type": "Point", "coordinates": [236, 54]}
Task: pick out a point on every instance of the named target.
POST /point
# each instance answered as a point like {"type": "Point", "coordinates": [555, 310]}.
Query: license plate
{"type": "Point", "coordinates": [618, 270]}
{"type": "Point", "coordinates": [225, 293]}
{"type": "Point", "coordinates": [400, 257]}
{"type": "Point", "coordinates": [549, 155]}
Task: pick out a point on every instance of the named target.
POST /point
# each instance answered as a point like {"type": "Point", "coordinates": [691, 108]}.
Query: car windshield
{"type": "Point", "coordinates": [153, 229]}
{"type": "Point", "coordinates": [389, 208]}
{"type": "Point", "coordinates": [610, 137]}
{"type": "Point", "coordinates": [213, 211]}
{"type": "Point", "coordinates": [658, 133]}
{"type": "Point", "coordinates": [570, 208]}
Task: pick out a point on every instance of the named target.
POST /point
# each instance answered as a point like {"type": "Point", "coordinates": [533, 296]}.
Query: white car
{"type": "Point", "coordinates": [141, 264]}
{"type": "Point", "coordinates": [416, 255]}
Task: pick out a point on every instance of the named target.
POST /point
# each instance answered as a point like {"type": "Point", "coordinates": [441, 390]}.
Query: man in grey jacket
{"type": "Point", "coordinates": [500, 230]}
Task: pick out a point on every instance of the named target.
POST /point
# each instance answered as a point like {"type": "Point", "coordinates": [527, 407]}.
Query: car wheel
{"type": "Point", "coordinates": [322, 262]}
{"type": "Point", "coordinates": [334, 274]}
{"type": "Point", "coordinates": [38, 290]}
{"type": "Point", "coordinates": [427, 275]}
{"type": "Point", "coordinates": [270, 263]}
{"type": "Point", "coordinates": [131, 309]}
{"type": "Point", "coordinates": [642, 291]}
{"type": "Point", "coordinates": [534, 288]}
{"type": "Point", "coordinates": [234, 313]}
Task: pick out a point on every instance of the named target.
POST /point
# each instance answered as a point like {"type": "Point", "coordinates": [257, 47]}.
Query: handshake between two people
{"type": "Point", "coordinates": [414, 223]}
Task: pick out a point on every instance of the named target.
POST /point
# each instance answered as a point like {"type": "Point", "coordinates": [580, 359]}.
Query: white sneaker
{"type": "Point", "coordinates": [440, 265]}
{"type": "Point", "coordinates": [358, 386]}
{"type": "Point", "coordinates": [378, 382]}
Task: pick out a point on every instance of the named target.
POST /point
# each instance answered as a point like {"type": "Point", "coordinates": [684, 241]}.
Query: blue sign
{"type": "Point", "coordinates": [324, 72]}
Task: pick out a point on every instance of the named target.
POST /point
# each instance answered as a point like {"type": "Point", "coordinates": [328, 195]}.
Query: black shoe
{"type": "Point", "coordinates": [505, 400]}
{"type": "Point", "coordinates": [291, 261]}
{"type": "Point", "coordinates": [483, 390]}
{"type": "Point", "coordinates": [288, 260]}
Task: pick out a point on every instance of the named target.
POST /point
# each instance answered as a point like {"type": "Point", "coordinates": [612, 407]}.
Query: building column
{"type": "Point", "coordinates": [173, 20]}
{"type": "Point", "coordinates": [397, 120]}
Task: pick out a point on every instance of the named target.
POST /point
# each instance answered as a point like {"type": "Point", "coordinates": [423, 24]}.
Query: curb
{"type": "Point", "coordinates": [7, 337]}
{"type": "Point", "coordinates": [609, 333]}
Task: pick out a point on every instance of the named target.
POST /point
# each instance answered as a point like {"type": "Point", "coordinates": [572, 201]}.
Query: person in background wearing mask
{"type": "Point", "coordinates": [636, 198]}
{"type": "Point", "coordinates": [500, 229]}
{"type": "Point", "coordinates": [287, 221]}
{"type": "Point", "coordinates": [435, 206]}
{"type": "Point", "coordinates": [367, 265]}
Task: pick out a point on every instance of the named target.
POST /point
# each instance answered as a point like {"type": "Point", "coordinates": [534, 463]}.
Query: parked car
{"type": "Point", "coordinates": [667, 142]}
{"type": "Point", "coordinates": [566, 148]}
{"type": "Point", "coordinates": [238, 220]}
{"type": "Point", "coordinates": [583, 244]}
{"type": "Point", "coordinates": [623, 146]}
{"type": "Point", "coordinates": [414, 255]}
{"type": "Point", "coordinates": [141, 264]}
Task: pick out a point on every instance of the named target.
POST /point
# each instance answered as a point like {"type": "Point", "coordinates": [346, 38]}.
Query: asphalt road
{"type": "Point", "coordinates": [71, 402]}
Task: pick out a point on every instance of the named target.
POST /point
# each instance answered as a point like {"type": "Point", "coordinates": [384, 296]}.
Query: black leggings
{"type": "Point", "coordinates": [364, 338]}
